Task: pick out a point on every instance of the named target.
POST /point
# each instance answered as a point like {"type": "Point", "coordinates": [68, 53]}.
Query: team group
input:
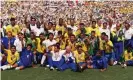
{"type": "Point", "coordinates": [66, 46]}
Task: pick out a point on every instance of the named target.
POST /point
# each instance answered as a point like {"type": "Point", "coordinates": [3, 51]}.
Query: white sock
{"type": "Point", "coordinates": [4, 67]}
{"type": "Point", "coordinates": [9, 66]}
{"type": "Point", "coordinates": [35, 58]}
{"type": "Point", "coordinates": [52, 68]}
{"type": "Point", "coordinates": [47, 65]}
{"type": "Point", "coordinates": [81, 67]}
{"type": "Point", "coordinates": [115, 63]}
{"type": "Point", "coordinates": [125, 65]}
{"type": "Point", "coordinates": [17, 68]}
{"type": "Point", "coordinates": [43, 59]}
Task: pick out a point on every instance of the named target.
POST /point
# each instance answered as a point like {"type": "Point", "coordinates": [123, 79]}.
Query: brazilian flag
{"type": "Point", "coordinates": [122, 59]}
{"type": "Point", "coordinates": [91, 50]}
{"type": "Point", "coordinates": [94, 48]}
{"type": "Point", "coordinates": [96, 45]}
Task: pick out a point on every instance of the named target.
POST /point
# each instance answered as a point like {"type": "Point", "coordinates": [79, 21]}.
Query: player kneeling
{"type": "Point", "coordinates": [26, 58]}
{"type": "Point", "coordinates": [128, 57]}
{"type": "Point", "coordinates": [12, 57]}
{"type": "Point", "coordinates": [79, 54]}
{"type": "Point", "coordinates": [97, 62]}
{"type": "Point", "coordinates": [69, 60]}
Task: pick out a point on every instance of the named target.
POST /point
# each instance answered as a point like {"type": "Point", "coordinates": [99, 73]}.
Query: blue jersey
{"type": "Point", "coordinates": [26, 57]}
{"type": "Point", "coordinates": [99, 62]}
{"type": "Point", "coordinates": [5, 41]}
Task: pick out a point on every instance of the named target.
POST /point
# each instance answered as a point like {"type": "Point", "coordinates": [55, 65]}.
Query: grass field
{"type": "Point", "coordinates": [113, 73]}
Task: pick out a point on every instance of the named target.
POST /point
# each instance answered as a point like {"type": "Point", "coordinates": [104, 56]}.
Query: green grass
{"type": "Point", "coordinates": [113, 73]}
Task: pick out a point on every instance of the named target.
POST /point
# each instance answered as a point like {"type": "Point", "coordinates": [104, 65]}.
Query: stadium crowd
{"type": "Point", "coordinates": [66, 34]}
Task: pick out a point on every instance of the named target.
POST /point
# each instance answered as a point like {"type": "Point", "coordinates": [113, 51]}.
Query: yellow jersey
{"type": "Point", "coordinates": [108, 47]}
{"type": "Point", "coordinates": [73, 45]}
{"type": "Point", "coordinates": [128, 56]}
{"type": "Point", "coordinates": [101, 46]}
{"type": "Point", "coordinates": [118, 35]}
{"type": "Point", "coordinates": [84, 46]}
{"type": "Point", "coordinates": [62, 43]}
{"type": "Point", "coordinates": [40, 48]}
{"type": "Point", "coordinates": [90, 29]}
{"type": "Point", "coordinates": [79, 57]}
{"type": "Point", "coordinates": [60, 28]}
{"type": "Point", "coordinates": [14, 29]}
{"type": "Point", "coordinates": [76, 33]}
{"type": "Point", "coordinates": [87, 30]}
{"type": "Point", "coordinates": [66, 35]}
{"type": "Point", "coordinates": [12, 58]}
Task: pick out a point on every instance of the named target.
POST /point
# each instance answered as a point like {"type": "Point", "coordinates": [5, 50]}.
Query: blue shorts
{"type": "Point", "coordinates": [109, 56]}
{"type": "Point", "coordinates": [4, 63]}
{"type": "Point", "coordinates": [81, 63]}
{"type": "Point", "coordinates": [20, 63]}
{"type": "Point", "coordinates": [39, 55]}
{"type": "Point", "coordinates": [129, 63]}
{"type": "Point", "coordinates": [97, 67]}
{"type": "Point", "coordinates": [94, 66]}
